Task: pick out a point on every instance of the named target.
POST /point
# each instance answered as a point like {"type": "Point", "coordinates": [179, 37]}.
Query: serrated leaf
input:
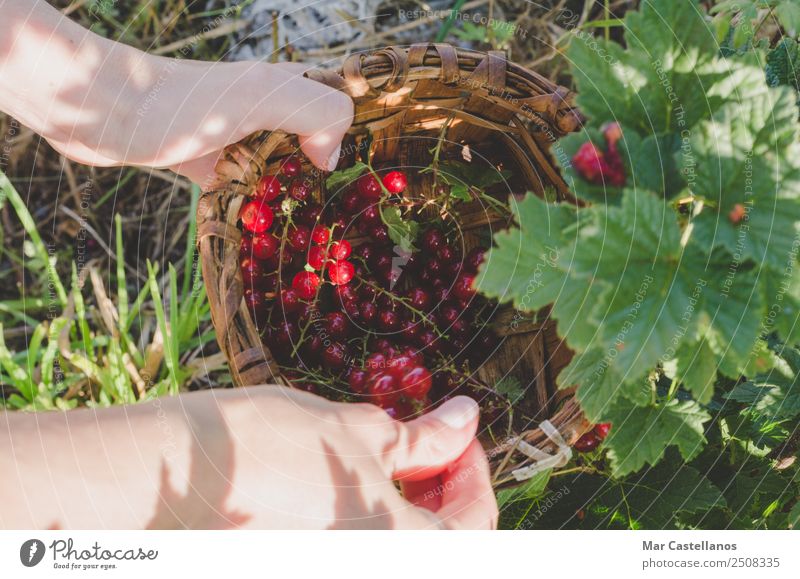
{"type": "Point", "coordinates": [403, 232]}
{"type": "Point", "coordinates": [465, 177]}
{"type": "Point", "coordinates": [696, 369]}
{"type": "Point", "coordinates": [344, 177]}
{"type": "Point", "coordinates": [783, 64]}
{"type": "Point", "coordinates": [522, 267]}
{"type": "Point", "coordinates": [641, 434]}
{"type": "Point", "coordinates": [510, 387]}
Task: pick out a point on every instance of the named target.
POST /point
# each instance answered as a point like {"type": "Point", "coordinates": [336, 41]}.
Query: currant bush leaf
{"type": "Point", "coordinates": [641, 434]}
{"type": "Point", "coordinates": [522, 267]}
{"type": "Point", "coordinates": [344, 177]}
{"type": "Point", "coordinates": [403, 232]}
{"type": "Point", "coordinates": [696, 369]}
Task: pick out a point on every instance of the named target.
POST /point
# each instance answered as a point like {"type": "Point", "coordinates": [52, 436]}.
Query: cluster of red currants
{"type": "Point", "coordinates": [593, 438]}
{"type": "Point", "coordinates": [602, 167]}
{"type": "Point", "coordinates": [370, 318]}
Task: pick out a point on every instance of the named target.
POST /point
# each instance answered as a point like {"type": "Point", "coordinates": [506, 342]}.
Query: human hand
{"type": "Point", "coordinates": [258, 457]}
{"type": "Point", "coordinates": [103, 103]}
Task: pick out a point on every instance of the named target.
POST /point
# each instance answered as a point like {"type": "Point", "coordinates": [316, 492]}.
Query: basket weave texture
{"type": "Point", "coordinates": [405, 99]}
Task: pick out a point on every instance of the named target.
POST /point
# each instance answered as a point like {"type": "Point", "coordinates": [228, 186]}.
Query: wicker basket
{"type": "Point", "coordinates": [403, 99]}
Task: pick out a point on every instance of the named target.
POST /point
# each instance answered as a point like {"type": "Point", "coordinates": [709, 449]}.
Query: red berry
{"type": "Point", "coordinates": [389, 320]}
{"type": "Point", "coordinates": [254, 299]}
{"type": "Point", "coordinates": [395, 182]}
{"type": "Point", "coordinates": [334, 357]}
{"type": "Point", "coordinates": [376, 362]}
{"type": "Point", "coordinates": [447, 254]}
{"type": "Point", "coordinates": [253, 273]}
{"type": "Point", "coordinates": [351, 202]}
{"type": "Point", "coordinates": [337, 325]}
{"type": "Point", "coordinates": [416, 382]}
{"type": "Point", "coordinates": [350, 307]}
{"type": "Point", "coordinates": [429, 342]}
{"type": "Point", "coordinates": [410, 330]}
{"type": "Point", "coordinates": [257, 216]}
{"type": "Point", "coordinates": [268, 187]}
{"type": "Point", "coordinates": [285, 335]}
{"type": "Point", "coordinates": [462, 288]}
{"type": "Point", "coordinates": [420, 299]}
{"type": "Point", "coordinates": [306, 284]}
{"type": "Point", "coordinates": [357, 379]}
{"type": "Point", "coordinates": [341, 272]}
{"type": "Point", "coordinates": [737, 214]}
{"type": "Point", "coordinates": [368, 187]}
{"type": "Point", "coordinates": [264, 245]}
{"type": "Point", "coordinates": [400, 410]}
{"type": "Point", "coordinates": [299, 189]}
{"type": "Point", "coordinates": [380, 233]}
{"type": "Point", "coordinates": [309, 214]}
{"type": "Point", "coordinates": [383, 389]}
{"type": "Point", "coordinates": [316, 257]}
{"type": "Point", "coordinates": [371, 215]}
{"type": "Point", "coordinates": [588, 162]}
{"type": "Point", "coordinates": [448, 314]}
{"type": "Point", "coordinates": [341, 249]}
{"type": "Point", "coordinates": [345, 293]}
{"type": "Point", "coordinates": [289, 300]}
{"type": "Point", "coordinates": [587, 442]}
{"type": "Point", "coordinates": [299, 237]}
{"type": "Point", "coordinates": [320, 235]}
{"type": "Point", "coordinates": [291, 167]}
{"type": "Point", "coordinates": [432, 240]}
{"type": "Point", "coordinates": [474, 259]}
{"type": "Point", "coordinates": [602, 429]}
{"type": "Point", "coordinates": [368, 312]}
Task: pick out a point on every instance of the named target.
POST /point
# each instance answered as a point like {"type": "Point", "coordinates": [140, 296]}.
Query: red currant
{"type": "Point", "coordinates": [253, 273]}
{"type": "Point", "coordinates": [357, 379]}
{"type": "Point", "coordinates": [345, 293]}
{"type": "Point", "coordinates": [337, 325]}
{"type": "Point", "coordinates": [371, 215]}
{"type": "Point", "coordinates": [257, 216]}
{"type": "Point", "coordinates": [320, 235]}
{"type": "Point", "coordinates": [395, 182]}
{"type": "Point", "coordinates": [447, 254]}
{"type": "Point", "coordinates": [268, 187]}
{"type": "Point", "coordinates": [289, 300]}
{"type": "Point", "coordinates": [299, 237]}
{"type": "Point", "coordinates": [291, 167]}
{"type": "Point", "coordinates": [432, 240]}
{"type": "Point", "coordinates": [299, 190]}
{"type": "Point", "coordinates": [462, 289]}
{"type": "Point", "coordinates": [306, 284]}
{"type": "Point", "coordinates": [316, 257]}
{"type": "Point", "coordinates": [341, 249]}
{"type": "Point", "coordinates": [351, 202]}
{"type": "Point", "coordinates": [309, 214]}
{"type": "Point", "coordinates": [380, 233]}
{"type": "Point", "coordinates": [602, 429]}
{"type": "Point", "coordinates": [416, 382]}
{"type": "Point", "coordinates": [368, 187]}
{"type": "Point", "coordinates": [474, 259]}
{"type": "Point", "coordinates": [341, 272]}
{"type": "Point", "coordinates": [383, 389]}
{"type": "Point", "coordinates": [420, 299]}
{"type": "Point", "coordinates": [389, 320]}
{"type": "Point", "coordinates": [264, 245]}
{"type": "Point", "coordinates": [368, 312]}
{"type": "Point", "coordinates": [334, 357]}
{"type": "Point", "coordinates": [587, 442]}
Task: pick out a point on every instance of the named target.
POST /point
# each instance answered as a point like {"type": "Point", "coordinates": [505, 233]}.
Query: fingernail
{"type": "Point", "coordinates": [333, 160]}
{"type": "Point", "coordinates": [457, 412]}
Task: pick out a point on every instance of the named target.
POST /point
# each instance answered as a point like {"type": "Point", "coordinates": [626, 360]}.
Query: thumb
{"type": "Point", "coordinates": [428, 445]}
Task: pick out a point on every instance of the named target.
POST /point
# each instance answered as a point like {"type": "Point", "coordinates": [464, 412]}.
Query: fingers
{"type": "Point", "coordinates": [424, 447]}
{"type": "Point", "coordinates": [424, 493]}
{"type": "Point", "coordinates": [467, 498]}
{"type": "Point", "coordinates": [318, 114]}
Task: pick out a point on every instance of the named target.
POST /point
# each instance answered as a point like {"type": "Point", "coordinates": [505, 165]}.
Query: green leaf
{"type": "Point", "coordinates": [783, 64]}
{"type": "Point", "coordinates": [510, 387]}
{"type": "Point", "coordinates": [522, 267]}
{"type": "Point", "coordinates": [658, 497]}
{"type": "Point", "coordinates": [696, 369]}
{"type": "Point", "coordinates": [465, 178]}
{"type": "Point", "coordinates": [344, 177]}
{"type": "Point", "coordinates": [641, 435]}
{"type": "Point", "coordinates": [794, 517]}
{"type": "Point", "coordinates": [531, 489]}
{"type": "Point", "coordinates": [788, 13]}
{"type": "Point", "coordinates": [403, 232]}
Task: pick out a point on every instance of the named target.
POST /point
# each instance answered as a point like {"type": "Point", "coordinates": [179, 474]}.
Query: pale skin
{"type": "Point", "coordinates": [261, 457]}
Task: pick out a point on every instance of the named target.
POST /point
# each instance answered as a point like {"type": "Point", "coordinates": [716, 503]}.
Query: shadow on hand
{"type": "Point", "coordinates": [209, 486]}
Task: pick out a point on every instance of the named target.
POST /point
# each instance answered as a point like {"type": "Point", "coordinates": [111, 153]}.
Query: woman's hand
{"type": "Point", "coordinates": [263, 457]}
{"type": "Point", "coordinates": [103, 103]}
